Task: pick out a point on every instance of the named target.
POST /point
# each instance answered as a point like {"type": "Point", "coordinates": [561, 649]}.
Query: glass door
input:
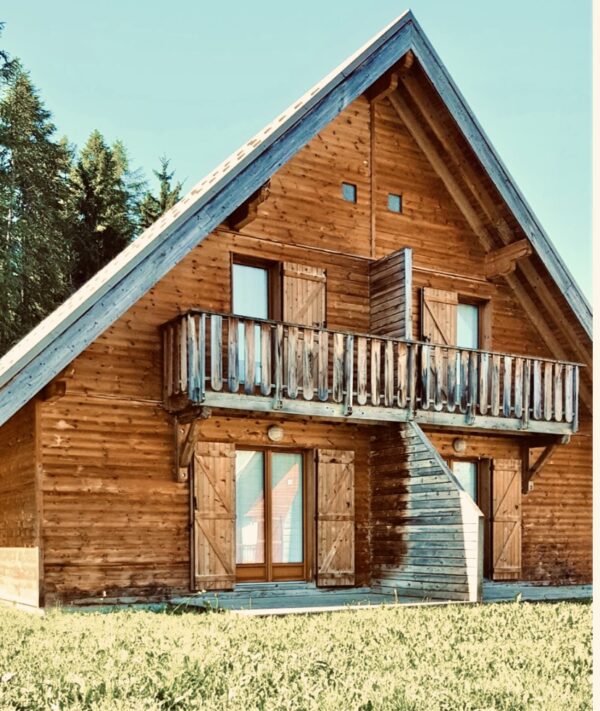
{"type": "Point", "coordinates": [270, 515]}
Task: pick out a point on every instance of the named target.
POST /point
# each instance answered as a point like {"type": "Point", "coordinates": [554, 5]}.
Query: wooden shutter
{"type": "Point", "coordinates": [304, 295]}
{"type": "Point", "coordinates": [335, 517]}
{"type": "Point", "coordinates": [391, 295]}
{"type": "Point", "coordinates": [439, 316]}
{"type": "Point", "coordinates": [214, 516]}
{"type": "Point", "coordinates": [506, 519]}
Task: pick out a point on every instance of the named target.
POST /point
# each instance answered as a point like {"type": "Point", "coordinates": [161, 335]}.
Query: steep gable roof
{"type": "Point", "coordinates": [65, 333]}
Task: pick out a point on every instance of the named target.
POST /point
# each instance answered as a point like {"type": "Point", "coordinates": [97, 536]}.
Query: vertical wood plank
{"type": "Point", "coordinates": [202, 356]}
{"type": "Point", "coordinates": [216, 353]}
{"type": "Point", "coordinates": [558, 391]}
{"type": "Point", "coordinates": [518, 389]}
{"type": "Point", "coordinates": [402, 393]}
{"type": "Point", "coordinates": [183, 374]}
{"type": "Point", "coordinates": [507, 386]}
{"type": "Point", "coordinates": [375, 371]}
{"type": "Point", "coordinates": [292, 362]}
{"type": "Point", "coordinates": [548, 394]}
{"type": "Point", "coordinates": [463, 385]}
{"type": "Point", "coordinates": [192, 353]}
{"type": "Point", "coordinates": [425, 376]}
{"type": "Point", "coordinates": [388, 377]}
{"type": "Point", "coordinates": [249, 357]}
{"type": "Point", "coordinates": [437, 375]}
{"type": "Point", "coordinates": [575, 398]}
{"type": "Point", "coordinates": [569, 393]}
{"type": "Point", "coordinates": [308, 386]}
{"type": "Point", "coordinates": [526, 392]}
{"type": "Point", "coordinates": [484, 379]}
{"type": "Point", "coordinates": [452, 379]}
{"type": "Point", "coordinates": [361, 370]}
{"type": "Point", "coordinates": [338, 367]}
{"type": "Point", "coordinates": [349, 372]}
{"type": "Point", "coordinates": [278, 365]}
{"type": "Point", "coordinates": [412, 376]}
{"type": "Point", "coordinates": [495, 394]}
{"type": "Point", "coordinates": [537, 390]}
{"type": "Point", "coordinates": [473, 379]}
{"type": "Point", "coordinates": [323, 366]}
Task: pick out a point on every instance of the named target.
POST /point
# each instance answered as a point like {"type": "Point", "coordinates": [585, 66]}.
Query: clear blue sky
{"type": "Point", "coordinates": [194, 80]}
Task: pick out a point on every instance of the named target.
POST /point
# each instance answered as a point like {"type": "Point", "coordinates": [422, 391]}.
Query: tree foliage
{"type": "Point", "coordinates": [153, 206]}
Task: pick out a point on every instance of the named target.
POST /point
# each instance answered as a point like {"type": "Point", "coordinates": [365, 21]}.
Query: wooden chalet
{"type": "Point", "coordinates": [350, 356]}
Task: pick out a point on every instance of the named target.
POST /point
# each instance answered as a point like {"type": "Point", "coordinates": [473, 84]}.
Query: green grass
{"type": "Point", "coordinates": [507, 656]}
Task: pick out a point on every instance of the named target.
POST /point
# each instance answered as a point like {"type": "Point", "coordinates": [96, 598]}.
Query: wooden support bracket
{"type": "Point", "coordinates": [503, 261]}
{"type": "Point", "coordinates": [530, 472]}
{"type": "Point", "coordinates": [388, 82]}
{"type": "Point", "coordinates": [54, 390]}
{"type": "Point", "coordinates": [186, 435]}
{"type": "Point", "coordinates": [247, 211]}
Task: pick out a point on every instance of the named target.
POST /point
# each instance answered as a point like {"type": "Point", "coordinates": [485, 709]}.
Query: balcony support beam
{"type": "Point", "coordinates": [531, 472]}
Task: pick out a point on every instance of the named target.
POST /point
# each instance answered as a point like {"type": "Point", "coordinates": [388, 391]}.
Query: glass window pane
{"type": "Point", "coordinates": [466, 473]}
{"type": "Point", "coordinates": [250, 298]}
{"type": "Point", "coordinates": [287, 509]}
{"type": "Point", "coordinates": [250, 507]}
{"type": "Point", "coordinates": [468, 326]}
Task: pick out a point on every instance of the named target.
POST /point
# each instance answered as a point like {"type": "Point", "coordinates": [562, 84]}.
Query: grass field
{"type": "Point", "coordinates": [506, 656]}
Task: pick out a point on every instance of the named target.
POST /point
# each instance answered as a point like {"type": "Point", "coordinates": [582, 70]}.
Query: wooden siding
{"type": "Point", "coordinates": [19, 546]}
{"type": "Point", "coordinates": [116, 521]}
{"type": "Point", "coordinates": [426, 535]}
{"type": "Point", "coordinates": [391, 295]}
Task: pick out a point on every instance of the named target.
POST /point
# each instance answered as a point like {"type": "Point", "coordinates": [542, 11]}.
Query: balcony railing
{"type": "Point", "coordinates": [223, 360]}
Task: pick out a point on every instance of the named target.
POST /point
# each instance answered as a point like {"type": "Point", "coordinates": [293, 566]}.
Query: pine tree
{"type": "Point", "coordinates": [105, 202]}
{"type": "Point", "coordinates": [34, 254]}
{"type": "Point", "coordinates": [153, 206]}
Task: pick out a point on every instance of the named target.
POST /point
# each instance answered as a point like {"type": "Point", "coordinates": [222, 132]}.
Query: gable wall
{"type": "Point", "coordinates": [114, 519]}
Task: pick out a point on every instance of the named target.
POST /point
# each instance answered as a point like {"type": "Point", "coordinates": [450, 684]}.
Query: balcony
{"type": "Point", "coordinates": [225, 361]}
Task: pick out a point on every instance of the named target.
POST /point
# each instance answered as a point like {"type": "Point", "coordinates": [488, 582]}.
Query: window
{"type": "Point", "coordinates": [349, 192]}
{"type": "Point", "coordinates": [466, 473]}
{"type": "Point", "coordinates": [269, 491]}
{"type": "Point", "coordinates": [394, 203]}
{"type": "Point", "coordinates": [467, 331]}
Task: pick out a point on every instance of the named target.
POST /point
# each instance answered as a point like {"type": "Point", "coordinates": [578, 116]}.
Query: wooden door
{"type": "Point", "coordinates": [506, 519]}
{"type": "Point", "coordinates": [214, 516]}
{"type": "Point", "coordinates": [439, 316]}
{"type": "Point", "coordinates": [304, 295]}
{"type": "Point", "coordinates": [335, 517]}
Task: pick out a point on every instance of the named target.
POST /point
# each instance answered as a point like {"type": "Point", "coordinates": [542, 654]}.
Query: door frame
{"type": "Point", "coordinates": [308, 518]}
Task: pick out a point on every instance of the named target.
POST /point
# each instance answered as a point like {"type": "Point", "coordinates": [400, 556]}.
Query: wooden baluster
{"type": "Point", "coordinates": [526, 393]}
{"type": "Point", "coordinates": [216, 352]}
{"type": "Point", "coordinates": [495, 395]}
{"type": "Point", "coordinates": [349, 373]}
{"type": "Point", "coordinates": [548, 394]}
{"type": "Point", "coordinates": [233, 354]}
{"type": "Point", "coordinates": [278, 366]}
{"type": "Point", "coordinates": [192, 356]}
{"type": "Point", "coordinates": [249, 357]}
{"type": "Point", "coordinates": [265, 359]}
{"type": "Point", "coordinates": [403, 384]}
{"type": "Point", "coordinates": [388, 374]}
{"type": "Point", "coordinates": [292, 362]}
{"type": "Point", "coordinates": [323, 366]}
{"type": "Point", "coordinates": [518, 387]}
{"type": "Point", "coordinates": [463, 384]}
{"type": "Point", "coordinates": [170, 356]}
{"type": "Point", "coordinates": [484, 379]}
{"type": "Point", "coordinates": [537, 390]}
{"type": "Point", "coordinates": [425, 376]}
{"type": "Point", "coordinates": [437, 376]}
{"type": "Point", "coordinates": [412, 376]}
{"type": "Point", "coordinates": [507, 386]}
{"type": "Point", "coordinates": [473, 378]}
{"type": "Point", "coordinates": [451, 379]}
{"type": "Point", "coordinates": [569, 412]}
{"type": "Point", "coordinates": [183, 374]}
{"type": "Point", "coordinates": [558, 392]}
{"type": "Point", "coordinates": [338, 367]}
{"type": "Point", "coordinates": [375, 371]}
{"type": "Point", "coordinates": [308, 387]}
{"type": "Point", "coordinates": [202, 358]}
{"type": "Point", "coordinates": [361, 370]}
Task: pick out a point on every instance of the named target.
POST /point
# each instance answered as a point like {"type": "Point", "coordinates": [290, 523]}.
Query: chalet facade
{"type": "Point", "coordinates": [350, 356]}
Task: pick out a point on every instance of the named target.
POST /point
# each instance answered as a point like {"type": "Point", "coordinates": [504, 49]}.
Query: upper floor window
{"type": "Point", "coordinates": [349, 192]}
{"type": "Point", "coordinates": [467, 331]}
{"type": "Point", "coordinates": [446, 320]}
{"type": "Point", "coordinates": [394, 202]}
{"type": "Point", "coordinates": [250, 291]}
